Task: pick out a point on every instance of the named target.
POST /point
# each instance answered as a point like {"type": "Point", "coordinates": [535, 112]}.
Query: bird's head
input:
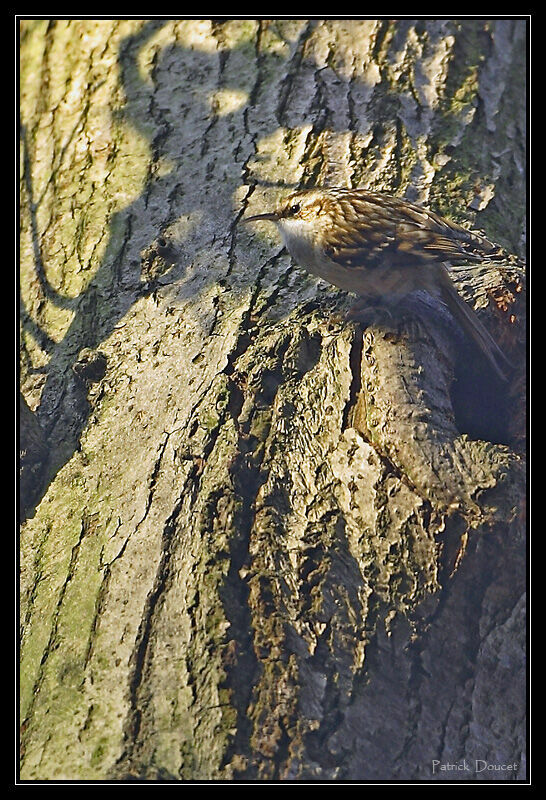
{"type": "Point", "coordinates": [298, 212]}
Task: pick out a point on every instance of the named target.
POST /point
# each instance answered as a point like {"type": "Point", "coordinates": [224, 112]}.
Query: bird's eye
{"type": "Point", "coordinates": [294, 208]}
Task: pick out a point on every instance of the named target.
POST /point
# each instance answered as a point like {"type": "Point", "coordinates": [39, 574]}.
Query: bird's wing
{"type": "Point", "coordinates": [374, 228]}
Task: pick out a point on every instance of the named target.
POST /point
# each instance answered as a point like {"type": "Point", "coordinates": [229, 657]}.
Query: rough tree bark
{"type": "Point", "coordinates": [260, 542]}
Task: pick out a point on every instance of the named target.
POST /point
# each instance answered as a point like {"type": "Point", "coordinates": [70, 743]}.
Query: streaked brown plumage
{"type": "Point", "coordinates": [383, 247]}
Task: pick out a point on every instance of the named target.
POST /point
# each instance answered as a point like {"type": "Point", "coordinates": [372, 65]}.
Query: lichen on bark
{"type": "Point", "coordinates": [264, 543]}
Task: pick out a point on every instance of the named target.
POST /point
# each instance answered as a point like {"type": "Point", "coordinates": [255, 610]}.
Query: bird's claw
{"type": "Point", "coordinates": [369, 315]}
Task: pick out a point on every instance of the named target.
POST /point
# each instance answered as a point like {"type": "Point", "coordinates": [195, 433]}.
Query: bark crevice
{"type": "Point", "coordinates": [260, 542]}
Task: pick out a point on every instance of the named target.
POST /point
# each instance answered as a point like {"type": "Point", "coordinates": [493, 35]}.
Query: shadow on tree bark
{"type": "Point", "coordinates": [267, 544]}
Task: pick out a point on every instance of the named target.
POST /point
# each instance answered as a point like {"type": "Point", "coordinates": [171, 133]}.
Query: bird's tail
{"type": "Point", "coordinates": [470, 323]}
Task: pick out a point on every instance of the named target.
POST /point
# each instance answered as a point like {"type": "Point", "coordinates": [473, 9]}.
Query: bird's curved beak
{"type": "Point", "coordinates": [257, 217]}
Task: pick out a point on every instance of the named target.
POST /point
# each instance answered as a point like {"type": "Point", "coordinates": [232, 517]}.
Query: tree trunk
{"type": "Point", "coordinates": [266, 544]}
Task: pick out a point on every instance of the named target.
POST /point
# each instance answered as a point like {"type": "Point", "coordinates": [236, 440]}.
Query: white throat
{"type": "Point", "coordinates": [299, 240]}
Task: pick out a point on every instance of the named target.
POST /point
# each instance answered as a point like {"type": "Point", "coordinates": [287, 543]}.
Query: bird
{"type": "Point", "coordinates": [381, 248]}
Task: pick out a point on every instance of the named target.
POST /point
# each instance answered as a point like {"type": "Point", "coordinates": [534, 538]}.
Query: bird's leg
{"type": "Point", "coordinates": [387, 313]}
{"type": "Point", "coordinates": [370, 311]}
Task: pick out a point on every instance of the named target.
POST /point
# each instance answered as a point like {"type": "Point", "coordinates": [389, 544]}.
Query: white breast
{"type": "Point", "coordinates": [299, 240]}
